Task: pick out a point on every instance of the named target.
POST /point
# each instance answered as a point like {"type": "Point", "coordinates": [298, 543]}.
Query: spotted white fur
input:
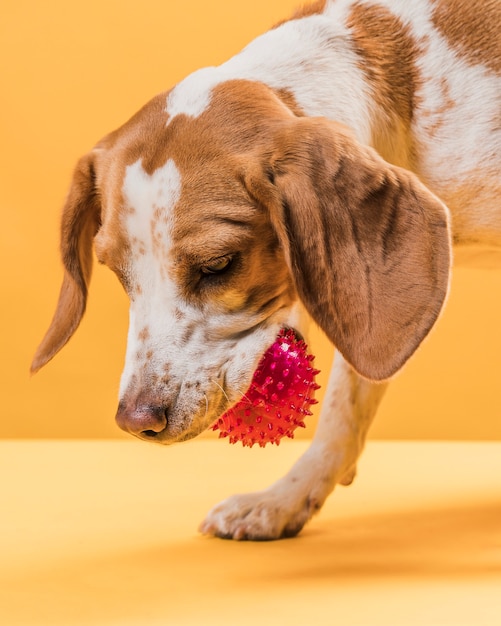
{"type": "Point", "coordinates": [149, 200]}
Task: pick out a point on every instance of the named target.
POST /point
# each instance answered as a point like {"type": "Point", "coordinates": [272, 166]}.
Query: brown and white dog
{"type": "Point", "coordinates": [329, 166]}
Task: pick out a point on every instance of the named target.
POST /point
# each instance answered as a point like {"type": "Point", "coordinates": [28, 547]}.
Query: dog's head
{"type": "Point", "coordinates": [218, 221]}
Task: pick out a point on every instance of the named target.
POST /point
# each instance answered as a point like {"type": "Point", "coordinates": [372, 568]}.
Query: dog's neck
{"type": "Point", "coordinates": [309, 62]}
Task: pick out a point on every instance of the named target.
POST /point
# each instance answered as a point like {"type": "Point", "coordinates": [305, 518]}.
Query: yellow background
{"type": "Point", "coordinates": [71, 72]}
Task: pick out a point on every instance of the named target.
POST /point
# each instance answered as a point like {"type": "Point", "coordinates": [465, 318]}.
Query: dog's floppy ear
{"type": "Point", "coordinates": [80, 222]}
{"type": "Point", "coordinates": [367, 244]}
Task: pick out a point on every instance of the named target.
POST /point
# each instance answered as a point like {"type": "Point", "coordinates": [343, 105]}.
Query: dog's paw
{"type": "Point", "coordinates": [259, 516]}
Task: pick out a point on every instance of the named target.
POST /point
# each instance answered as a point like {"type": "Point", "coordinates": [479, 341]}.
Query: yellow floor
{"type": "Point", "coordinates": [105, 533]}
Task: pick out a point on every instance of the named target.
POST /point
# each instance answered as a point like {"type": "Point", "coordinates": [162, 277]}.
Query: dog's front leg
{"type": "Point", "coordinates": [282, 510]}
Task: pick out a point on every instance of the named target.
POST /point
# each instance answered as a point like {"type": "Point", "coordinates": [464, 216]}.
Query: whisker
{"type": "Point", "coordinates": [224, 392]}
{"type": "Point", "coordinates": [243, 395]}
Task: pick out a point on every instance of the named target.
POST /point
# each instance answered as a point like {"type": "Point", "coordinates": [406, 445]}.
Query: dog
{"type": "Point", "coordinates": [325, 172]}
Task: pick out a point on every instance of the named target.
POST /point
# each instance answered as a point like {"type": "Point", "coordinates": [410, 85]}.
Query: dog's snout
{"type": "Point", "coordinates": [145, 421]}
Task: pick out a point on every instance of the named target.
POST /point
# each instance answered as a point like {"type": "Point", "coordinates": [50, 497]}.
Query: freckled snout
{"type": "Point", "coordinates": [144, 420]}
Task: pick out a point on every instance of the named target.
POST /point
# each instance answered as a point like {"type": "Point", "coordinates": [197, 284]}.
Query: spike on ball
{"type": "Point", "coordinates": [279, 396]}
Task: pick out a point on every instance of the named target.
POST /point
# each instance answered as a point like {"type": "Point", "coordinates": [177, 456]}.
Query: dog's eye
{"type": "Point", "coordinates": [217, 266]}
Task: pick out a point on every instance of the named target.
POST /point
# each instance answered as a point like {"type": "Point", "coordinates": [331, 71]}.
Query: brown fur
{"type": "Point", "coordinates": [473, 29]}
{"type": "Point", "coordinates": [80, 222]}
{"type": "Point", "coordinates": [388, 53]}
{"type": "Point", "coordinates": [437, 113]}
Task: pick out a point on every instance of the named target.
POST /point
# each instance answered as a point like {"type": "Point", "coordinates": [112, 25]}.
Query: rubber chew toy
{"type": "Point", "coordinates": [279, 396]}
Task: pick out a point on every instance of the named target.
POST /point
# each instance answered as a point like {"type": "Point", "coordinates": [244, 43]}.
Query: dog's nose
{"type": "Point", "coordinates": [143, 421]}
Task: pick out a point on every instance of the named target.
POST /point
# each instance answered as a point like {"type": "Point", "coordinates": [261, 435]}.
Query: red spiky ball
{"type": "Point", "coordinates": [279, 396]}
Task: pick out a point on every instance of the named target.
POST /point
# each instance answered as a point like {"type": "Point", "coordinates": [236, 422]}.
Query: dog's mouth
{"type": "Point", "coordinates": [216, 403]}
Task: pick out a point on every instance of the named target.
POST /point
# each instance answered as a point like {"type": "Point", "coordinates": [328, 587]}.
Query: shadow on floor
{"type": "Point", "coordinates": [172, 579]}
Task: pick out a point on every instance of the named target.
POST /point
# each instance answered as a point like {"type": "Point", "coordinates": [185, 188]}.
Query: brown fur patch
{"type": "Point", "coordinates": [473, 28]}
{"type": "Point", "coordinates": [144, 334]}
{"type": "Point", "coordinates": [387, 53]}
{"type": "Point", "coordinates": [436, 115]}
